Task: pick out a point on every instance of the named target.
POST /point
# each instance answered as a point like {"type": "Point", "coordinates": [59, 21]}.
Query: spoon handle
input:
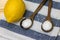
{"type": "Point", "coordinates": [38, 8]}
{"type": "Point", "coordinates": [49, 10]}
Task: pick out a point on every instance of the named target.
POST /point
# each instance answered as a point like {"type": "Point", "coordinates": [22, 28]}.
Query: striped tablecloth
{"type": "Point", "coordinates": [15, 32]}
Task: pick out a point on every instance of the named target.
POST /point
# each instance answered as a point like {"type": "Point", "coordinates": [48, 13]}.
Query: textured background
{"type": "Point", "coordinates": [15, 32]}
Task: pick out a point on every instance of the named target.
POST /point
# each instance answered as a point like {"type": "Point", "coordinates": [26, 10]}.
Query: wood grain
{"type": "Point", "coordinates": [1, 10]}
{"type": "Point", "coordinates": [2, 4]}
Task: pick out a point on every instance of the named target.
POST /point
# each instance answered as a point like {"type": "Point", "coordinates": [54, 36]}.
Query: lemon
{"type": "Point", "coordinates": [14, 10]}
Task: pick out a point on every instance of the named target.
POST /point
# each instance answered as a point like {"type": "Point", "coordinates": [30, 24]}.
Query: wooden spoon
{"type": "Point", "coordinates": [48, 19]}
{"type": "Point", "coordinates": [33, 15]}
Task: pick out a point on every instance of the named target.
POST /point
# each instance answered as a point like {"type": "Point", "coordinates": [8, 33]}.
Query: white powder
{"type": "Point", "coordinates": [27, 23]}
{"type": "Point", "coordinates": [47, 25]}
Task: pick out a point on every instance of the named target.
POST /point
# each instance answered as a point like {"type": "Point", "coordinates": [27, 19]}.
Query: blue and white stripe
{"type": "Point", "coordinates": [15, 32]}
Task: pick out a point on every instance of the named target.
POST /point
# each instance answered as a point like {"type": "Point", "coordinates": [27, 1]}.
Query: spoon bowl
{"type": "Point", "coordinates": [47, 26]}
{"type": "Point", "coordinates": [26, 25]}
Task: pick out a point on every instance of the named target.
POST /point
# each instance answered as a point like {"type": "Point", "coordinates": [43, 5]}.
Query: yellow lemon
{"type": "Point", "coordinates": [14, 10]}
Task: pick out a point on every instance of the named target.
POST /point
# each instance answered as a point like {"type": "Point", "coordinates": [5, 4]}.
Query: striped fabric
{"type": "Point", "coordinates": [15, 32]}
